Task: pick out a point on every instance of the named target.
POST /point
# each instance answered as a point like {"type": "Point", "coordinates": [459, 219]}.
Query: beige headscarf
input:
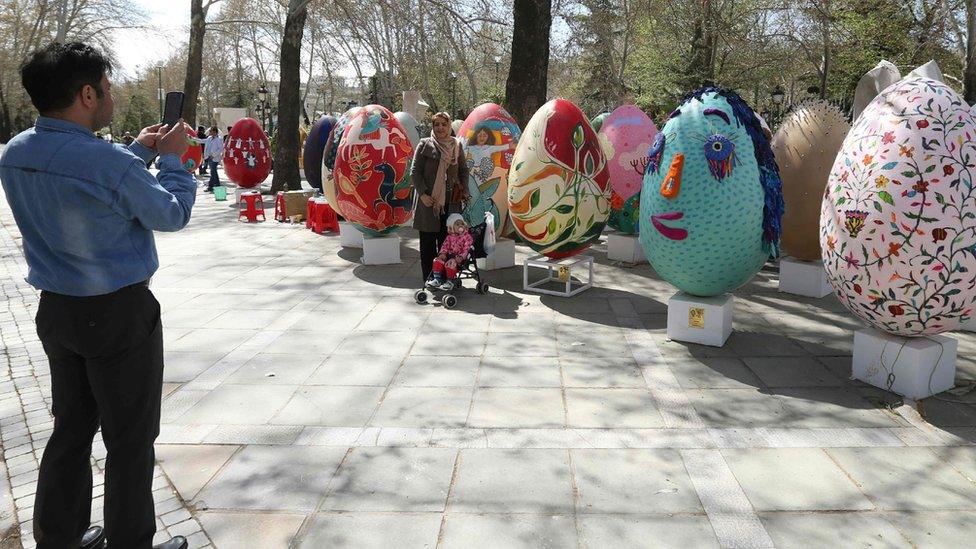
{"type": "Point", "coordinates": [448, 147]}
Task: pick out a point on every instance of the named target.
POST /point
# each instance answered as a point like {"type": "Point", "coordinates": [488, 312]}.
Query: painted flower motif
{"type": "Point", "coordinates": [881, 182]}
{"type": "Point", "coordinates": [889, 138]}
{"type": "Point", "coordinates": [896, 310]}
{"type": "Point", "coordinates": [851, 260]}
{"type": "Point", "coordinates": [906, 151]}
{"type": "Point", "coordinates": [940, 234]}
{"type": "Point", "coordinates": [893, 248]}
{"type": "Point", "coordinates": [857, 289]}
{"type": "Point", "coordinates": [922, 124]}
{"type": "Point", "coordinates": [921, 186]}
{"type": "Point", "coordinates": [948, 170]}
{"type": "Point", "coordinates": [867, 159]}
{"type": "Point", "coordinates": [855, 221]}
{"type": "Point", "coordinates": [831, 242]}
{"type": "Point", "coordinates": [844, 176]}
{"type": "Point", "coordinates": [616, 201]}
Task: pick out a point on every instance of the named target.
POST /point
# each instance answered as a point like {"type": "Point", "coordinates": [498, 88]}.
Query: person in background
{"type": "Point", "coordinates": [227, 135]}
{"type": "Point", "coordinates": [127, 139]}
{"type": "Point", "coordinates": [213, 151]}
{"type": "Point", "coordinates": [97, 320]}
{"type": "Point", "coordinates": [202, 136]}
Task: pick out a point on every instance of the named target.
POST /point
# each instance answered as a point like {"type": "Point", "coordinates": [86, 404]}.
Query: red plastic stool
{"type": "Point", "coordinates": [323, 217]}
{"type": "Point", "coordinates": [279, 213]}
{"type": "Point", "coordinates": [251, 207]}
{"type": "Point", "coordinates": [309, 212]}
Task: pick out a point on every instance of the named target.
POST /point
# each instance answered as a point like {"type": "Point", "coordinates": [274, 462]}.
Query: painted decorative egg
{"type": "Point", "coordinates": [626, 136]}
{"type": "Point", "coordinates": [711, 204]}
{"type": "Point", "coordinates": [597, 121]}
{"type": "Point", "coordinates": [372, 176]}
{"type": "Point", "coordinates": [456, 126]}
{"type": "Point", "coordinates": [193, 156]}
{"type": "Point", "coordinates": [329, 157]}
{"type": "Point", "coordinates": [409, 124]}
{"type": "Point", "coordinates": [247, 154]}
{"type": "Point", "coordinates": [490, 136]}
{"type": "Point", "coordinates": [559, 185]}
{"type": "Point", "coordinates": [805, 146]}
{"type": "Point", "coordinates": [898, 225]}
{"type": "Point", "coordinates": [318, 140]}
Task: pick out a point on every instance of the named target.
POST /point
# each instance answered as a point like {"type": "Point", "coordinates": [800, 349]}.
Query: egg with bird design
{"type": "Point", "coordinates": [247, 154]}
{"type": "Point", "coordinates": [329, 157]}
{"type": "Point", "coordinates": [372, 176]}
{"type": "Point", "coordinates": [898, 220]}
{"type": "Point", "coordinates": [711, 202]}
{"type": "Point", "coordinates": [558, 187]}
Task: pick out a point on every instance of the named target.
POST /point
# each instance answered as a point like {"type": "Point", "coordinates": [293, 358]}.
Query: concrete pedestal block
{"type": "Point", "coordinates": [703, 320]}
{"type": "Point", "coordinates": [502, 258]}
{"type": "Point", "coordinates": [914, 367]}
{"type": "Point", "coordinates": [806, 278]}
{"type": "Point", "coordinates": [349, 236]}
{"type": "Point", "coordinates": [381, 250]}
{"type": "Point", "coordinates": [626, 248]}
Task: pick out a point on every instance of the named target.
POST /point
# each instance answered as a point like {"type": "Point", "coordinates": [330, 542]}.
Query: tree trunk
{"type": "Point", "coordinates": [969, 77]}
{"type": "Point", "coordinates": [286, 174]}
{"type": "Point", "coordinates": [526, 87]}
{"type": "Point", "coordinates": [194, 62]}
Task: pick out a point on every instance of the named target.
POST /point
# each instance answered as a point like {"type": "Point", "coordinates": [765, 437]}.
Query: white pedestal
{"type": "Point", "coordinates": [349, 236]}
{"type": "Point", "coordinates": [238, 192]}
{"type": "Point", "coordinates": [703, 320]}
{"type": "Point", "coordinates": [559, 271]}
{"type": "Point", "coordinates": [914, 367]}
{"type": "Point", "coordinates": [502, 258]}
{"type": "Point", "coordinates": [381, 250]}
{"type": "Point", "coordinates": [625, 247]}
{"type": "Point", "coordinates": [806, 278]}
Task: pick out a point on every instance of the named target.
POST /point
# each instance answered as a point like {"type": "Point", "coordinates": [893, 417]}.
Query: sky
{"type": "Point", "coordinates": [169, 22]}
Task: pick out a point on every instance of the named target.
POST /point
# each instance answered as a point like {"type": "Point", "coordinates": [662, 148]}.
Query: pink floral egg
{"type": "Point", "coordinates": [626, 136]}
{"type": "Point", "coordinates": [898, 223]}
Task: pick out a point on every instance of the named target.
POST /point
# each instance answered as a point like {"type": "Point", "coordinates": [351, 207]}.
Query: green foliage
{"type": "Point", "coordinates": [138, 114]}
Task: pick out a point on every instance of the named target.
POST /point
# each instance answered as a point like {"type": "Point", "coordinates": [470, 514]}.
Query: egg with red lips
{"type": "Point", "coordinates": [711, 202]}
{"type": "Point", "coordinates": [247, 154]}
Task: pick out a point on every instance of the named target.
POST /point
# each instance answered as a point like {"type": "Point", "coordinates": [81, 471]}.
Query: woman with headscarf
{"type": "Point", "coordinates": [440, 175]}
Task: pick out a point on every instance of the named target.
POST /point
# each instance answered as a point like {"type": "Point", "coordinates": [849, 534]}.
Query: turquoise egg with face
{"type": "Point", "coordinates": [711, 197]}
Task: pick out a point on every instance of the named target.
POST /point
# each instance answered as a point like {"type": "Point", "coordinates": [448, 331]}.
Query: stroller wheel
{"type": "Point", "coordinates": [449, 301]}
{"type": "Point", "coordinates": [421, 296]}
{"type": "Point", "coordinates": [482, 287]}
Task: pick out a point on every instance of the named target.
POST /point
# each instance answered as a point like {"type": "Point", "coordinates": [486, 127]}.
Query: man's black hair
{"type": "Point", "coordinates": [54, 74]}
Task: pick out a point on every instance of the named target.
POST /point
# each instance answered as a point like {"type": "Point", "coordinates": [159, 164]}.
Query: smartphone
{"type": "Point", "coordinates": [174, 108]}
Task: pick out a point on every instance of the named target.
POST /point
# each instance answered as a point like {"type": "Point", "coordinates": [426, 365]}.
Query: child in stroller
{"type": "Point", "coordinates": [454, 252]}
{"type": "Point", "coordinates": [456, 261]}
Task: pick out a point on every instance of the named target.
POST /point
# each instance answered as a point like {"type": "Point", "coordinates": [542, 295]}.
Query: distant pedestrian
{"type": "Point", "coordinates": [227, 135]}
{"type": "Point", "coordinates": [213, 151]}
{"type": "Point", "coordinates": [97, 320]}
{"type": "Point", "coordinates": [127, 139]}
{"type": "Point", "coordinates": [202, 134]}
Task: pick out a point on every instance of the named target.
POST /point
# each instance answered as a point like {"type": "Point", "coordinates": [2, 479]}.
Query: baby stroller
{"type": "Point", "coordinates": [467, 270]}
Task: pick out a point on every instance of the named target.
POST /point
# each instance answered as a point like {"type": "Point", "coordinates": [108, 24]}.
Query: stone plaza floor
{"type": "Point", "coordinates": [309, 402]}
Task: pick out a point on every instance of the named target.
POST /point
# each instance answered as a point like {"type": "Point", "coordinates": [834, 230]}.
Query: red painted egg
{"type": "Point", "coordinates": [372, 176]}
{"type": "Point", "coordinates": [247, 155]}
{"type": "Point", "coordinates": [193, 156]}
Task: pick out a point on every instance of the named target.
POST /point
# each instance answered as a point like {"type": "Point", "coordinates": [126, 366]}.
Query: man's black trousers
{"type": "Point", "coordinates": [106, 356]}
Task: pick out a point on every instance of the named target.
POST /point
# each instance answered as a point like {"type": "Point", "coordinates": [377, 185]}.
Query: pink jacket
{"type": "Point", "coordinates": [457, 244]}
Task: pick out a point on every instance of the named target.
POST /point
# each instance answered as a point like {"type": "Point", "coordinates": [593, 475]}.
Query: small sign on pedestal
{"type": "Point", "coordinates": [558, 271]}
{"type": "Point", "coordinates": [806, 278]}
{"type": "Point", "coordinates": [349, 236]}
{"type": "Point", "coordinates": [381, 250]}
{"type": "Point", "coordinates": [625, 247]}
{"type": "Point", "coordinates": [914, 367]}
{"type": "Point", "coordinates": [502, 258]}
{"type": "Point", "coordinates": [703, 320]}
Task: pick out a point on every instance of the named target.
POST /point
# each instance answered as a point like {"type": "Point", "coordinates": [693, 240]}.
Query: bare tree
{"type": "Point", "coordinates": [525, 90]}
{"type": "Point", "coordinates": [194, 63]}
{"type": "Point", "coordinates": [286, 156]}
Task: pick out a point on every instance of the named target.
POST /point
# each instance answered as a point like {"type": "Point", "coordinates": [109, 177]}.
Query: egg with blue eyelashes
{"type": "Point", "coordinates": [711, 202]}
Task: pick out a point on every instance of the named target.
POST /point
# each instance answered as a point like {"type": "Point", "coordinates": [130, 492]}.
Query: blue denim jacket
{"type": "Point", "coordinates": [87, 208]}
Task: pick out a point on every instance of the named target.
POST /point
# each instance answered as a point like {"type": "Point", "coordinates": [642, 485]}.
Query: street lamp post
{"type": "Point", "coordinates": [454, 78]}
{"type": "Point", "coordinates": [263, 98]}
{"type": "Point", "coordinates": [498, 62]}
{"type": "Point", "coordinates": [159, 89]}
{"type": "Point", "coordinates": [777, 95]}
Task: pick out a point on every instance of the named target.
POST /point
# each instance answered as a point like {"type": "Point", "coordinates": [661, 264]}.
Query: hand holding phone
{"type": "Point", "coordinates": [174, 141]}
{"type": "Point", "coordinates": [174, 108]}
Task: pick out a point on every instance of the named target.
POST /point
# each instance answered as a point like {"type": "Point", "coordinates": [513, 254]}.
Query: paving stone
{"type": "Point", "coordinates": [499, 531]}
{"type": "Point", "coordinates": [452, 344]}
{"type": "Point", "coordinates": [906, 478]}
{"type": "Point", "coordinates": [510, 407]}
{"type": "Point", "coordinates": [935, 530]}
{"type": "Point", "coordinates": [832, 407]}
{"type": "Point", "coordinates": [794, 479]}
{"type": "Point", "coordinates": [513, 481]}
{"type": "Point", "coordinates": [424, 407]}
{"type": "Point", "coordinates": [503, 344]}
{"type": "Point", "coordinates": [513, 371]}
{"type": "Point", "coordinates": [432, 371]}
{"type": "Point", "coordinates": [802, 530]}
{"type": "Point", "coordinates": [372, 530]}
{"type": "Point", "coordinates": [713, 373]}
{"type": "Point", "coordinates": [288, 369]}
{"type": "Point", "coordinates": [737, 407]}
{"type": "Point", "coordinates": [791, 372]}
{"type": "Point", "coordinates": [386, 321]}
{"type": "Point", "coordinates": [633, 481]}
{"type": "Point", "coordinates": [238, 529]}
{"type": "Point", "coordinates": [666, 531]}
{"type": "Point", "coordinates": [374, 370]}
{"type": "Point", "coordinates": [239, 404]}
{"type": "Point", "coordinates": [627, 408]}
{"type": "Point", "coordinates": [273, 478]}
{"type": "Point", "coordinates": [191, 466]}
{"type": "Point", "coordinates": [373, 343]}
{"type": "Point", "coordinates": [330, 406]}
{"type": "Point", "coordinates": [603, 373]}
{"type": "Point", "coordinates": [306, 342]}
{"type": "Point", "coordinates": [392, 479]}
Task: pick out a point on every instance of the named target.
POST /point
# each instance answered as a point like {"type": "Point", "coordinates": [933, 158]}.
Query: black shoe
{"type": "Point", "coordinates": [93, 538]}
{"type": "Point", "coordinates": [178, 542]}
